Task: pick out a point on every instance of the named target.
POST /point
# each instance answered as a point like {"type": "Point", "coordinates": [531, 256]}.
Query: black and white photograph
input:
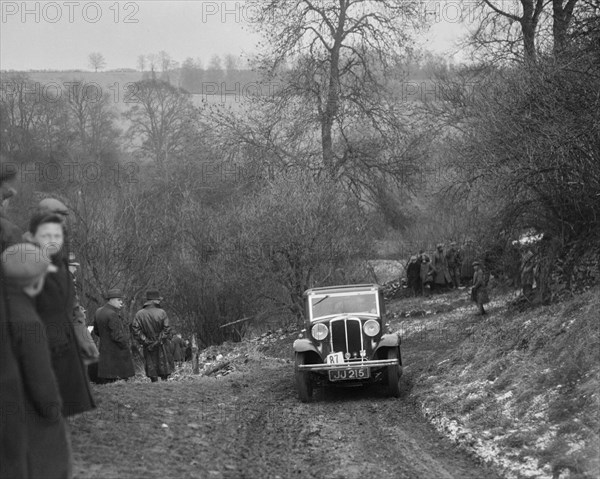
{"type": "Point", "coordinates": [300, 239]}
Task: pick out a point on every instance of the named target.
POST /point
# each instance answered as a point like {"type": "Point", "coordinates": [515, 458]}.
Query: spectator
{"type": "Point", "coordinates": [440, 266]}
{"type": "Point", "coordinates": [115, 351]}
{"type": "Point", "coordinates": [152, 330]}
{"type": "Point", "coordinates": [177, 349]}
{"type": "Point", "coordinates": [426, 274]}
{"type": "Point", "coordinates": [454, 259]}
{"type": "Point", "coordinates": [13, 445]}
{"type": "Point", "coordinates": [468, 256]}
{"type": "Point", "coordinates": [527, 276]}
{"type": "Point", "coordinates": [188, 350]}
{"type": "Point", "coordinates": [47, 446]}
{"type": "Point", "coordinates": [87, 347]}
{"type": "Point", "coordinates": [479, 293]}
{"type": "Point", "coordinates": [413, 274]}
{"type": "Point", "coordinates": [9, 232]}
{"type": "Point", "coordinates": [55, 307]}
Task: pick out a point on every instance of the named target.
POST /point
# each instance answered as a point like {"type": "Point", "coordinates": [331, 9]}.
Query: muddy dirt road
{"type": "Point", "coordinates": [250, 424]}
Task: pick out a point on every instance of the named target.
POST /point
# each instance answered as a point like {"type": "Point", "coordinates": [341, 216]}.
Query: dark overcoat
{"type": "Point", "coordinates": [13, 435]}
{"type": "Point", "coordinates": [152, 330]}
{"type": "Point", "coordinates": [48, 452]}
{"type": "Point", "coordinates": [440, 265]}
{"type": "Point", "coordinates": [177, 349]}
{"type": "Point", "coordinates": [55, 308]}
{"type": "Point", "coordinates": [115, 351]}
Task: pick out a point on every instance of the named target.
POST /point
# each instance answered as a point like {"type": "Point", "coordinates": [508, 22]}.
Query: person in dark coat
{"type": "Point", "coordinates": [479, 293]}
{"type": "Point", "coordinates": [177, 349]}
{"type": "Point", "coordinates": [87, 347]}
{"type": "Point", "coordinates": [427, 273]}
{"type": "Point", "coordinates": [115, 352]}
{"type": "Point", "coordinates": [13, 445]}
{"type": "Point", "coordinates": [440, 265]}
{"type": "Point", "coordinates": [55, 307]}
{"type": "Point", "coordinates": [151, 329]}
{"type": "Point", "coordinates": [48, 453]}
{"type": "Point", "coordinates": [454, 259]}
{"type": "Point", "coordinates": [413, 274]}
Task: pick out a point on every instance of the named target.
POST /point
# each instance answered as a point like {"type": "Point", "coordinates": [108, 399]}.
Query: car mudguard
{"type": "Point", "coordinates": [304, 345]}
{"type": "Point", "coordinates": [388, 341]}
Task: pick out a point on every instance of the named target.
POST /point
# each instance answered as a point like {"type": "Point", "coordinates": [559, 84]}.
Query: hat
{"type": "Point", "coordinates": [440, 245]}
{"type": "Point", "coordinates": [153, 294]}
{"type": "Point", "coordinates": [476, 263]}
{"type": "Point", "coordinates": [52, 205]}
{"type": "Point", "coordinates": [24, 262]}
{"type": "Point", "coordinates": [114, 293]}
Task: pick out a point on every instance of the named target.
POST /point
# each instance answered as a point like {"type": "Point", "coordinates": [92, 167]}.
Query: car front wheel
{"type": "Point", "coordinates": [304, 384]}
{"type": "Point", "coordinates": [393, 374]}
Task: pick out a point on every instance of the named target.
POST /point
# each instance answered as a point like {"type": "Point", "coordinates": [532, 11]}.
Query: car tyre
{"type": "Point", "coordinates": [304, 384]}
{"type": "Point", "coordinates": [393, 374]}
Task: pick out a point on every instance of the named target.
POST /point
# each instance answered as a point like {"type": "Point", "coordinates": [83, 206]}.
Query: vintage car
{"type": "Point", "coordinates": [343, 342]}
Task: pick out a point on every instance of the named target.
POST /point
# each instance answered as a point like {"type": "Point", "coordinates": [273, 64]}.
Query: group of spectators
{"type": "Point", "coordinates": [46, 347]}
{"type": "Point", "coordinates": [448, 269]}
{"type": "Point", "coordinates": [162, 350]}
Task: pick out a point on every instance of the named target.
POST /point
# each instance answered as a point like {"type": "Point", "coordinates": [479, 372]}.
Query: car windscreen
{"type": "Point", "coordinates": [364, 302]}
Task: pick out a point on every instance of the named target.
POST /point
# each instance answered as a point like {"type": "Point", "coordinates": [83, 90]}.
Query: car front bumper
{"type": "Point", "coordinates": [374, 363]}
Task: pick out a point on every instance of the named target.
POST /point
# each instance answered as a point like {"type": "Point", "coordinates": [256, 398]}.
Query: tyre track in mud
{"type": "Point", "coordinates": [346, 433]}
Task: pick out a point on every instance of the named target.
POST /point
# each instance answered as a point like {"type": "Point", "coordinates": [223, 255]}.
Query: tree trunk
{"type": "Point", "coordinates": [561, 19]}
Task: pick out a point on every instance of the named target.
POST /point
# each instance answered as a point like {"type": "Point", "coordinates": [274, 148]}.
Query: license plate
{"type": "Point", "coordinates": [349, 374]}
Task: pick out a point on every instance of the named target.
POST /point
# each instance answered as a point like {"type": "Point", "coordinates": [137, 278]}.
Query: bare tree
{"type": "Point", "coordinates": [141, 63]}
{"type": "Point", "coordinates": [97, 61]}
{"type": "Point", "coordinates": [339, 53]}
{"type": "Point", "coordinates": [161, 116]}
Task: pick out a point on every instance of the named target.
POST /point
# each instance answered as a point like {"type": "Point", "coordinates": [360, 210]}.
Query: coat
{"type": "Point", "coordinates": [479, 292]}
{"type": "Point", "coordinates": [426, 272]}
{"type": "Point", "coordinates": [151, 329]}
{"type": "Point", "coordinates": [177, 348]}
{"type": "Point", "coordinates": [440, 265]}
{"type": "Point", "coordinates": [13, 433]}
{"type": "Point", "coordinates": [55, 307]}
{"type": "Point", "coordinates": [48, 452]}
{"type": "Point", "coordinates": [115, 351]}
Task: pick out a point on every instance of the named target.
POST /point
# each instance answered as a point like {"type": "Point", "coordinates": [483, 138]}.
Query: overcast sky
{"type": "Point", "coordinates": [61, 34]}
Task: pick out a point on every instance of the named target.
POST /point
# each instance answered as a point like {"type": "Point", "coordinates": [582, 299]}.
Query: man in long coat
{"type": "Point", "coordinates": [48, 453]}
{"type": "Point", "coordinates": [479, 292]}
{"type": "Point", "coordinates": [152, 330]}
{"type": "Point", "coordinates": [13, 438]}
{"type": "Point", "coordinates": [115, 352]}
{"type": "Point", "coordinates": [440, 265]}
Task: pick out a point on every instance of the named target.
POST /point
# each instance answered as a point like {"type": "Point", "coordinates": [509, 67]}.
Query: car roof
{"type": "Point", "coordinates": [342, 288]}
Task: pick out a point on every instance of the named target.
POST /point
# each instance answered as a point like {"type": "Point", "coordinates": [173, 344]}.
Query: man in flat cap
{"type": "Point", "coordinates": [152, 330]}
{"type": "Point", "coordinates": [115, 352]}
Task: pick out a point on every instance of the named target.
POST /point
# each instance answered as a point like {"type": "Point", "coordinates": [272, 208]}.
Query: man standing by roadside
{"type": "Point", "coordinates": [115, 354]}
{"type": "Point", "coordinates": [440, 265]}
{"type": "Point", "coordinates": [479, 293]}
{"type": "Point", "coordinates": [152, 330]}
{"type": "Point", "coordinates": [454, 258]}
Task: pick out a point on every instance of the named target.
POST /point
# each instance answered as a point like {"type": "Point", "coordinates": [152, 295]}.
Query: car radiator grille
{"type": "Point", "coordinates": [346, 336]}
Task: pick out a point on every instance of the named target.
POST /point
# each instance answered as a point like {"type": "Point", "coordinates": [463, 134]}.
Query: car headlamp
{"type": "Point", "coordinates": [319, 331]}
{"type": "Point", "coordinates": [371, 328]}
